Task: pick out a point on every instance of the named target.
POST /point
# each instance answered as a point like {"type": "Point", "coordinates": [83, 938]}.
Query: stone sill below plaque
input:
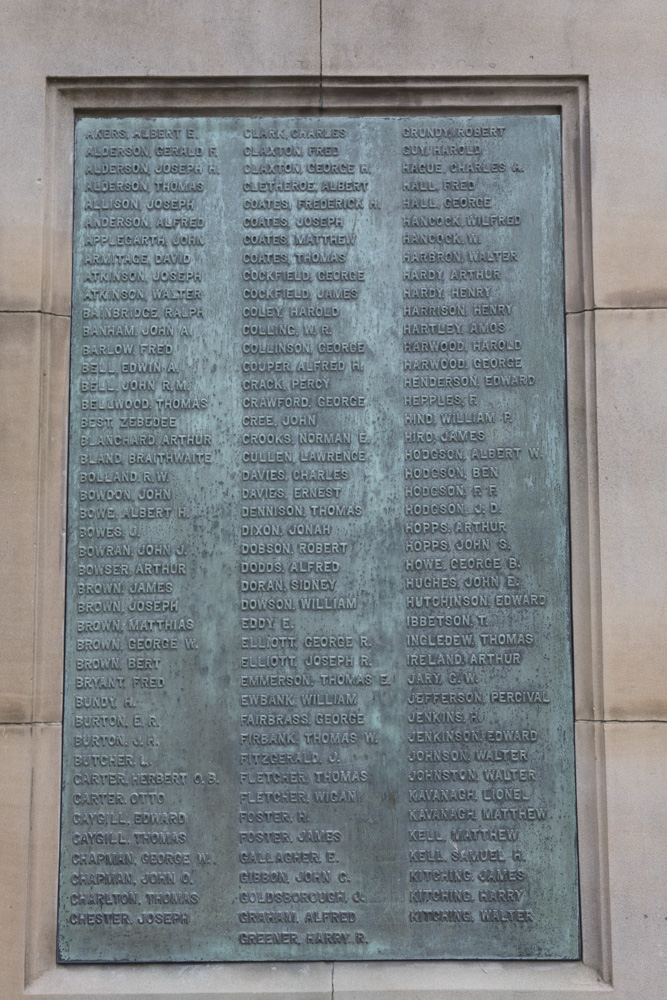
{"type": "Point", "coordinates": [349, 980]}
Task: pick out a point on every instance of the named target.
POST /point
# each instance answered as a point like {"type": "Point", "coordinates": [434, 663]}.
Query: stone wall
{"type": "Point", "coordinates": [602, 67]}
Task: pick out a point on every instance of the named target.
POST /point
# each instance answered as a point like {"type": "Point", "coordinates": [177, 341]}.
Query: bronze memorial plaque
{"type": "Point", "coordinates": [318, 687]}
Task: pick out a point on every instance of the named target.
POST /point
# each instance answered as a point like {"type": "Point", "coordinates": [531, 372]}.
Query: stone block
{"type": "Point", "coordinates": [50, 528]}
{"type": "Point", "coordinates": [636, 754]}
{"type": "Point", "coordinates": [631, 351]}
{"type": "Point", "coordinates": [19, 443]}
{"type": "Point", "coordinates": [15, 793]}
{"type": "Point", "coordinates": [584, 516]}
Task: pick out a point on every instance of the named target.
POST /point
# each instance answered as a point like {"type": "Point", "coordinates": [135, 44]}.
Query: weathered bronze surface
{"type": "Point", "coordinates": [318, 692]}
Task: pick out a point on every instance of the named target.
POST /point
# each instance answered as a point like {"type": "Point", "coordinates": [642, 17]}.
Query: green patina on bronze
{"type": "Point", "coordinates": [318, 689]}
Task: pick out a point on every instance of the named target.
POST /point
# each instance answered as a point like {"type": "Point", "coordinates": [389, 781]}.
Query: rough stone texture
{"type": "Point", "coordinates": [637, 811]}
{"type": "Point", "coordinates": [15, 790]}
{"type": "Point", "coordinates": [50, 521]}
{"type": "Point", "coordinates": [19, 442]}
{"type": "Point", "coordinates": [631, 350]}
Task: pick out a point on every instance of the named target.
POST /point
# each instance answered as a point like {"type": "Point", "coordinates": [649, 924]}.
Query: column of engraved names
{"type": "Point", "coordinates": [502, 239]}
{"type": "Point", "coordinates": [303, 447]}
{"type": "Point", "coordinates": [505, 334]}
{"type": "Point", "coordinates": [458, 278]}
{"type": "Point", "coordinates": [137, 297]}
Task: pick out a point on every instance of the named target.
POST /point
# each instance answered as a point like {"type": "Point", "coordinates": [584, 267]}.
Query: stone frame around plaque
{"type": "Point", "coordinates": [310, 96]}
